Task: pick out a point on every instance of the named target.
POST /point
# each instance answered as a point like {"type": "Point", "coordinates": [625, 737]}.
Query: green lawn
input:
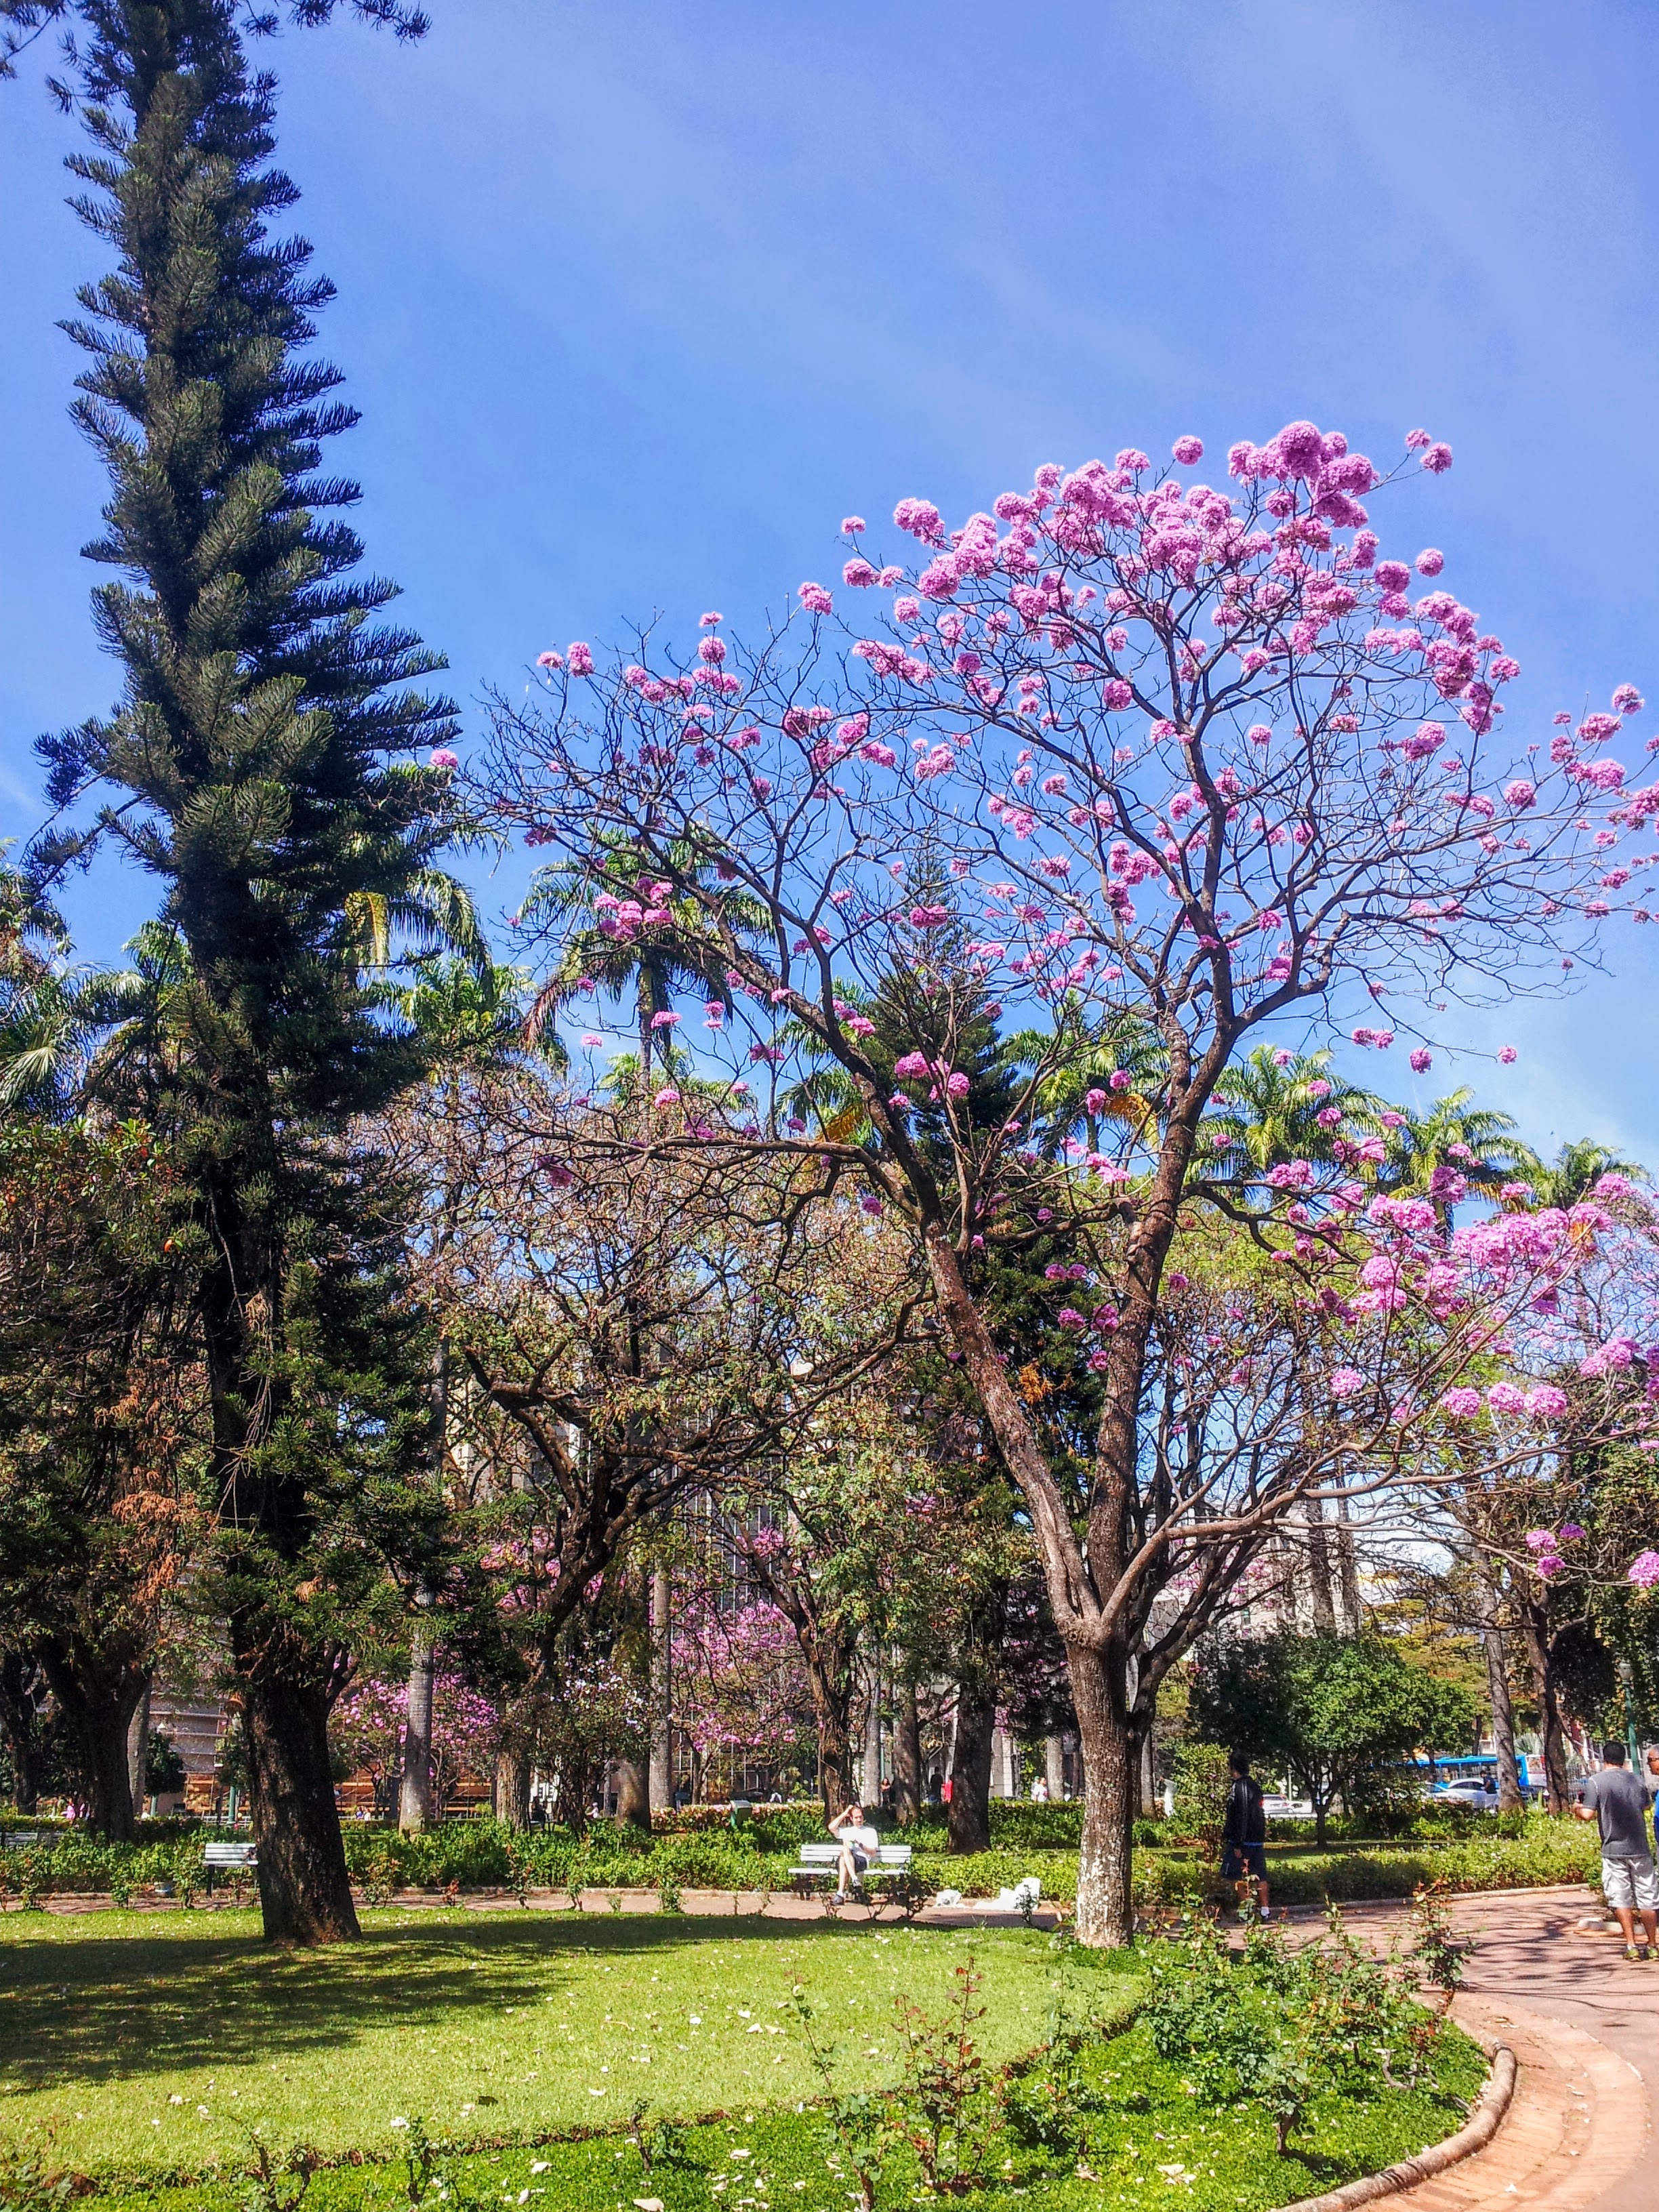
{"type": "Point", "coordinates": [1158, 2146]}
{"type": "Point", "coordinates": [140, 2044]}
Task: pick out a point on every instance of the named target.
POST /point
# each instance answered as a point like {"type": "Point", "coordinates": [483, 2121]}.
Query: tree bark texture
{"type": "Point", "coordinates": [305, 1892]}
{"type": "Point", "coordinates": [97, 1709]}
{"type": "Point", "coordinates": [662, 1741]}
{"type": "Point", "coordinates": [1510, 1796]}
{"type": "Point", "coordinates": [138, 1750]}
{"type": "Point", "coordinates": [907, 1757]}
{"type": "Point", "coordinates": [633, 1797]}
{"type": "Point", "coordinates": [414, 1791]}
{"type": "Point", "coordinates": [1105, 1909]}
{"type": "Point", "coordinates": [835, 1760]}
{"type": "Point", "coordinates": [1054, 1766]}
{"type": "Point", "coordinates": [512, 1791]}
{"type": "Point", "coordinates": [968, 1819]}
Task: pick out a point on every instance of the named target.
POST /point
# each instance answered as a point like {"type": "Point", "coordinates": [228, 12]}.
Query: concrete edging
{"type": "Point", "coordinates": [1476, 2133]}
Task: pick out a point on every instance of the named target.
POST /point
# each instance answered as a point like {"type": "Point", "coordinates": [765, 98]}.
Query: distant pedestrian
{"type": "Point", "coordinates": [1614, 1799]}
{"type": "Point", "coordinates": [1244, 1832]}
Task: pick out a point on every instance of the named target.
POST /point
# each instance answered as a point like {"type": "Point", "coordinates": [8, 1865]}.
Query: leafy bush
{"type": "Point", "coordinates": [1201, 1782]}
{"type": "Point", "coordinates": [482, 1854]}
{"type": "Point", "coordinates": [1281, 2028]}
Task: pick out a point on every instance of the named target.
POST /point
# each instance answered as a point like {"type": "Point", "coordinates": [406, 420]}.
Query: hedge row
{"type": "Point", "coordinates": [479, 1855]}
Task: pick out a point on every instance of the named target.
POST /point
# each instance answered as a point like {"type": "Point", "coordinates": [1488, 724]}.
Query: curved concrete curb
{"type": "Point", "coordinates": [1482, 2126]}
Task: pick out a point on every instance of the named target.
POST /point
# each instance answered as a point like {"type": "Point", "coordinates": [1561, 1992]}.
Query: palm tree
{"type": "Point", "coordinates": [680, 951]}
{"type": "Point", "coordinates": [1268, 1107]}
{"type": "Point", "coordinates": [431, 913]}
{"type": "Point", "coordinates": [1577, 1170]}
{"type": "Point", "coordinates": [1082, 1070]}
{"type": "Point", "coordinates": [1479, 1144]}
{"type": "Point", "coordinates": [468, 1015]}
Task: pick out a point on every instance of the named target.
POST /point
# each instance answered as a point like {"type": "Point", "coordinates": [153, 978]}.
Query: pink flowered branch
{"type": "Point", "coordinates": [1550, 1549]}
{"type": "Point", "coordinates": [1073, 734]}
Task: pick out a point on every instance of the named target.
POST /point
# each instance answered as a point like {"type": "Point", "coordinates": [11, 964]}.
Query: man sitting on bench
{"type": "Point", "coordinates": [859, 1846]}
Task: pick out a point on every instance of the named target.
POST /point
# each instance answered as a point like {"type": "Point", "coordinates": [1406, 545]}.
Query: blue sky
{"type": "Point", "coordinates": [638, 300]}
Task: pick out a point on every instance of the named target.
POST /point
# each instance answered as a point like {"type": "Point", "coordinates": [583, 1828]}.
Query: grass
{"type": "Point", "coordinates": [140, 2044]}
{"type": "Point", "coordinates": [1156, 2144]}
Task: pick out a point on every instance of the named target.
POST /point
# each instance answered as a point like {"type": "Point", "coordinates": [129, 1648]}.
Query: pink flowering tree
{"type": "Point", "coordinates": [1556, 1424]}
{"type": "Point", "coordinates": [1132, 752]}
{"type": "Point", "coordinates": [365, 1729]}
{"type": "Point", "coordinates": [740, 1694]}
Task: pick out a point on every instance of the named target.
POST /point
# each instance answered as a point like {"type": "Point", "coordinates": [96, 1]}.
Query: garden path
{"type": "Point", "coordinates": [1584, 2027]}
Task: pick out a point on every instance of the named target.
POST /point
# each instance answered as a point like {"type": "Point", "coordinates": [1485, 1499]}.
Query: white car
{"type": "Point", "coordinates": [1478, 1796]}
{"type": "Point", "coordinates": [1288, 1808]}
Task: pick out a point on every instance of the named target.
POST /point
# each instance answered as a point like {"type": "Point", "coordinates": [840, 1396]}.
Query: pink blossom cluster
{"type": "Point", "coordinates": [1114, 682]}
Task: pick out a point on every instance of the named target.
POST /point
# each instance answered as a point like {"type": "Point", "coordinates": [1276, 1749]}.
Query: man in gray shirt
{"type": "Point", "coordinates": [1615, 1799]}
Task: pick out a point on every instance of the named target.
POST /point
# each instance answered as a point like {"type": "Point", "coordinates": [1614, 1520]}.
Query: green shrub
{"type": "Point", "coordinates": [481, 1855]}
{"type": "Point", "coordinates": [1201, 1782]}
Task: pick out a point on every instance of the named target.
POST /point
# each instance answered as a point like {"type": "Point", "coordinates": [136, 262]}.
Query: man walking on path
{"type": "Point", "coordinates": [1244, 1831]}
{"type": "Point", "coordinates": [1614, 1799]}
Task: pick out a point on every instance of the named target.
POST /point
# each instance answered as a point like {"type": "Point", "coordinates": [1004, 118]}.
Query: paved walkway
{"type": "Point", "coordinates": [1584, 2024]}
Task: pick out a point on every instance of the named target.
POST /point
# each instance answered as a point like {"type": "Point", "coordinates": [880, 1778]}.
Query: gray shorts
{"type": "Point", "coordinates": [1633, 1883]}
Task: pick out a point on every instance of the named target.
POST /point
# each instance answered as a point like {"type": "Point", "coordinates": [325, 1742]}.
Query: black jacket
{"type": "Point", "coordinates": [1246, 1822]}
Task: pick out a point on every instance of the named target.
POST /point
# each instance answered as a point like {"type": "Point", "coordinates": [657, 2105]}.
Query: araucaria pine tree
{"type": "Point", "coordinates": [261, 765]}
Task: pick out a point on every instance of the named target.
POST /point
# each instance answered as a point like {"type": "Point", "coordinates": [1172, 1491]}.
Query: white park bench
{"type": "Point", "coordinates": [229, 1858]}
{"type": "Point", "coordinates": [889, 1872]}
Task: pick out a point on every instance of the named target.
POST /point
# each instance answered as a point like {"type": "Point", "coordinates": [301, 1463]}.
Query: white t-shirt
{"type": "Point", "coordinates": [862, 1839]}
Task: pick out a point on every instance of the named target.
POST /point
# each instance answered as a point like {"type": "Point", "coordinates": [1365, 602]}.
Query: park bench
{"type": "Point", "coordinates": [21, 1839]}
{"type": "Point", "coordinates": [229, 1858]}
{"type": "Point", "coordinates": [888, 1872]}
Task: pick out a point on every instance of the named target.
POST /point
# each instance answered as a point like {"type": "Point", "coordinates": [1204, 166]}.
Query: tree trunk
{"type": "Point", "coordinates": [415, 1791]}
{"type": "Point", "coordinates": [511, 1791]}
{"type": "Point", "coordinates": [970, 1817]}
{"type": "Point", "coordinates": [1105, 1908]}
{"type": "Point", "coordinates": [19, 1723]}
{"type": "Point", "coordinates": [835, 1761]}
{"type": "Point", "coordinates": [1540, 1659]}
{"type": "Point", "coordinates": [662, 1741]}
{"type": "Point", "coordinates": [98, 1714]}
{"type": "Point", "coordinates": [1319, 1571]}
{"type": "Point", "coordinates": [907, 1757]}
{"type": "Point", "coordinates": [1347, 1567]}
{"type": "Point", "coordinates": [872, 1790]}
{"type": "Point", "coordinates": [1054, 1766]}
{"type": "Point", "coordinates": [633, 1797]}
{"type": "Point", "coordinates": [1509, 1797]}
{"type": "Point", "coordinates": [138, 1750]}
{"type": "Point", "coordinates": [305, 1892]}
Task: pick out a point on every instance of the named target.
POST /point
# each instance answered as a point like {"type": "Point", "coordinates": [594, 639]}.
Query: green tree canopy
{"type": "Point", "coordinates": [1330, 1711]}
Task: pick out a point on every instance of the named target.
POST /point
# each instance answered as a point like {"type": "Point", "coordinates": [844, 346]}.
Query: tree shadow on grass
{"type": "Point", "coordinates": [97, 2008]}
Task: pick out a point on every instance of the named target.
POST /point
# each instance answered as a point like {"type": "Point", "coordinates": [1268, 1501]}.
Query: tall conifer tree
{"type": "Point", "coordinates": [261, 763]}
